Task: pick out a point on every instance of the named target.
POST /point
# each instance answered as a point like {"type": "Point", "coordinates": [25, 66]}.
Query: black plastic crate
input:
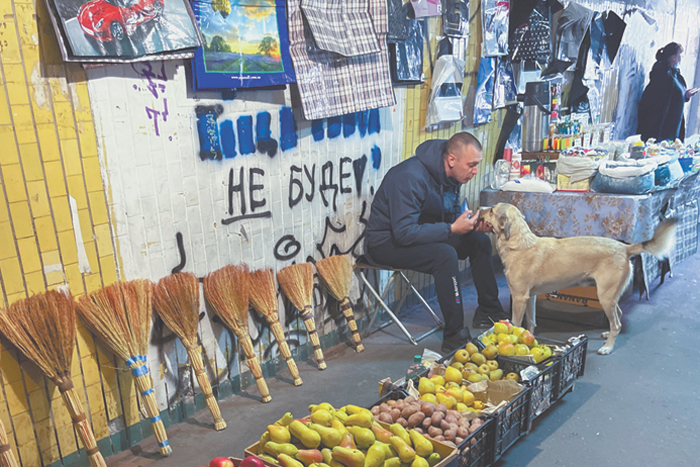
{"type": "Point", "coordinates": [477, 449]}
{"type": "Point", "coordinates": [572, 362]}
{"type": "Point", "coordinates": [543, 382]}
{"type": "Point", "coordinates": [448, 358]}
{"type": "Point", "coordinates": [511, 423]}
{"type": "Point", "coordinates": [393, 395]}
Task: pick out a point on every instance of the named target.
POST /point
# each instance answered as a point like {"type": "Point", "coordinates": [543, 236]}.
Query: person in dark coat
{"type": "Point", "coordinates": [416, 223]}
{"type": "Point", "coordinates": [660, 111]}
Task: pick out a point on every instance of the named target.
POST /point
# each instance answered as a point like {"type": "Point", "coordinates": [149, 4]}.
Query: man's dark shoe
{"type": "Point", "coordinates": [457, 341]}
{"type": "Point", "coordinates": [485, 319]}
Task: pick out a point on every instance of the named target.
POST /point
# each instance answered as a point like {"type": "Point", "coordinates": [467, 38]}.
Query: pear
{"type": "Point", "coordinates": [340, 415]}
{"type": "Point", "coordinates": [327, 455]}
{"type": "Point", "coordinates": [364, 437]}
{"type": "Point", "coordinates": [267, 458]}
{"type": "Point", "coordinates": [401, 432]}
{"type": "Point", "coordinates": [309, 456]}
{"type": "Point", "coordinates": [388, 450]}
{"type": "Point", "coordinates": [453, 374]}
{"type": "Point", "coordinates": [353, 409]}
{"type": "Point", "coordinates": [308, 437]}
{"type": "Point", "coordinates": [322, 406]}
{"type": "Point", "coordinates": [496, 375]}
{"type": "Point", "coordinates": [288, 461]}
{"type": "Point", "coordinates": [422, 446]}
{"type": "Point", "coordinates": [348, 457]}
{"type": "Point", "coordinates": [264, 438]}
{"type": "Point", "coordinates": [425, 386]}
{"type": "Point", "coordinates": [433, 459]}
{"type": "Point", "coordinates": [348, 441]}
{"type": "Point", "coordinates": [279, 434]}
{"type": "Point", "coordinates": [275, 449]}
{"type": "Point", "coordinates": [419, 462]}
{"type": "Point", "coordinates": [392, 462]}
{"type": "Point", "coordinates": [330, 437]}
{"type": "Point", "coordinates": [338, 425]}
{"type": "Point", "coordinates": [471, 348]}
{"type": "Point", "coordinates": [285, 420]}
{"type": "Point", "coordinates": [321, 417]}
{"type": "Point", "coordinates": [381, 433]}
{"type": "Point", "coordinates": [405, 452]}
{"type": "Point", "coordinates": [365, 419]}
{"type": "Point", "coordinates": [375, 455]}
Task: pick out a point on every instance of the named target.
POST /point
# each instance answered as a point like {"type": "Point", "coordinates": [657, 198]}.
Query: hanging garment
{"type": "Point", "coordinates": [406, 58]}
{"type": "Point", "coordinates": [400, 15]}
{"type": "Point", "coordinates": [531, 39]}
{"type": "Point", "coordinates": [341, 26]}
{"type": "Point", "coordinates": [455, 18]}
{"type": "Point", "coordinates": [614, 30]}
{"type": "Point", "coordinates": [331, 84]}
{"type": "Point", "coordinates": [573, 24]}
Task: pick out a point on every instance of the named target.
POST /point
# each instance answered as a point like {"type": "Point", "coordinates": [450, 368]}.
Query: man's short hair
{"type": "Point", "coordinates": [460, 140]}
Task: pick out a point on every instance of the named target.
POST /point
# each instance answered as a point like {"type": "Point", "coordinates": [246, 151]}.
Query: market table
{"type": "Point", "coordinates": [628, 218]}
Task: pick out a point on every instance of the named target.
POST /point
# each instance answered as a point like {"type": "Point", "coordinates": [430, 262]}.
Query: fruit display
{"type": "Point", "coordinates": [434, 420]}
{"type": "Point", "coordinates": [346, 437]}
{"type": "Point", "coordinates": [508, 340]}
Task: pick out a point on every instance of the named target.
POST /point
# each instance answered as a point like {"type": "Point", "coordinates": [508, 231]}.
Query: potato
{"type": "Point", "coordinates": [399, 404]}
{"type": "Point", "coordinates": [440, 438]}
{"type": "Point", "coordinates": [442, 408]}
{"type": "Point", "coordinates": [454, 413]}
{"type": "Point", "coordinates": [416, 419]}
{"type": "Point", "coordinates": [477, 422]}
{"type": "Point", "coordinates": [384, 407]}
{"type": "Point", "coordinates": [375, 410]}
{"type": "Point", "coordinates": [408, 411]}
{"type": "Point", "coordinates": [418, 430]}
{"type": "Point", "coordinates": [462, 432]}
{"type": "Point", "coordinates": [449, 434]}
{"type": "Point", "coordinates": [437, 418]}
{"type": "Point", "coordinates": [385, 417]}
{"type": "Point", "coordinates": [450, 418]}
{"type": "Point", "coordinates": [458, 440]}
{"type": "Point", "coordinates": [391, 403]}
{"type": "Point", "coordinates": [395, 414]}
{"type": "Point", "coordinates": [434, 431]}
{"type": "Point", "coordinates": [403, 422]}
{"type": "Point", "coordinates": [427, 408]}
{"type": "Point", "coordinates": [427, 423]}
{"type": "Point", "coordinates": [473, 428]}
{"type": "Point", "coordinates": [454, 426]}
{"type": "Point", "coordinates": [409, 399]}
{"type": "Point", "coordinates": [444, 425]}
{"type": "Point", "coordinates": [473, 441]}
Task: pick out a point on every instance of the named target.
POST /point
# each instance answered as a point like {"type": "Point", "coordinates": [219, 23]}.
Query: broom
{"type": "Point", "coordinates": [120, 314]}
{"type": "Point", "coordinates": [43, 328]}
{"type": "Point", "coordinates": [264, 298]}
{"type": "Point", "coordinates": [176, 300]}
{"type": "Point", "coordinates": [227, 291]}
{"type": "Point", "coordinates": [7, 458]}
{"type": "Point", "coordinates": [297, 282]}
{"type": "Point", "coordinates": [336, 272]}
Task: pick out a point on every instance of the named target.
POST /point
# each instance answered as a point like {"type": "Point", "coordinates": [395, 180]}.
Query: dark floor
{"type": "Point", "coordinates": [639, 406]}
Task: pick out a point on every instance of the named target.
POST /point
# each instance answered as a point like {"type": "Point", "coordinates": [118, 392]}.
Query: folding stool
{"type": "Point", "coordinates": [362, 265]}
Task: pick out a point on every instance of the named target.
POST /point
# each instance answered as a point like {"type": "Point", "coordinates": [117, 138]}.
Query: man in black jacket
{"type": "Point", "coordinates": [416, 223]}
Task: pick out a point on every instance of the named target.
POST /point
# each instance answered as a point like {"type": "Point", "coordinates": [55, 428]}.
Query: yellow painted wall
{"type": "Point", "coordinates": [48, 152]}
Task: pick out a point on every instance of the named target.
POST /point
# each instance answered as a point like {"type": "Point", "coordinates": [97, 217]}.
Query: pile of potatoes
{"type": "Point", "coordinates": [430, 419]}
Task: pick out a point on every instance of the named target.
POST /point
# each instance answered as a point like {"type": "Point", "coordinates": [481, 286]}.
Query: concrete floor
{"type": "Point", "coordinates": [639, 406]}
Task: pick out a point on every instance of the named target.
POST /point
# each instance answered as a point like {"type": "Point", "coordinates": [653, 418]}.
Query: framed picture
{"type": "Point", "coordinates": [111, 31]}
{"type": "Point", "coordinates": [245, 44]}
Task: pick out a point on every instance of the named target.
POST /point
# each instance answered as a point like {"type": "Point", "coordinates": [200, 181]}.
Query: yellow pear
{"type": "Point", "coordinates": [471, 348]}
{"type": "Point", "coordinates": [537, 354]}
{"type": "Point", "coordinates": [422, 446]}
{"type": "Point", "coordinates": [471, 365]}
{"type": "Point", "coordinates": [496, 375]}
{"type": "Point", "coordinates": [503, 337]}
{"type": "Point", "coordinates": [425, 386]}
{"type": "Point", "coordinates": [517, 330]}
{"type": "Point", "coordinates": [522, 349]}
{"type": "Point", "coordinates": [478, 358]}
{"type": "Point", "coordinates": [457, 365]}
{"type": "Point", "coordinates": [462, 356]}
{"type": "Point", "coordinates": [449, 401]}
{"type": "Point", "coordinates": [438, 380]}
{"type": "Point", "coordinates": [478, 405]}
{"type": "Point", "coordinates": [453, 374]}
{"type": "Point", "coordinates": [474, 378]}
{"type": "Point", "coordinates": [461, 407]}
{"type": "Point", "coordinates": [404, 450]}
{"type": "Point", "coordinates": [490, 351]}
{"type": "Point", "coordinates": [467, 398]}
{"type": "Point", "coordinates": [429, 398]}
{"type": "Point", "coordinates": [493, 338]}
{"type": "Point", "coordinates": [500, 328]}
{"type": "Point", "coordinates": [455, 392]}
{"type": "Point", "coordinates": [484, 369]}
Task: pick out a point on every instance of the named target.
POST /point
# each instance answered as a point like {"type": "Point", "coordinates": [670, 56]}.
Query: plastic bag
{"type": "Point", "coordinates": [504, 92]}
{"type": "Point", "coordinates": [427, 8]}
{"type": "Point", "coordinates": [455, 18]}
{"type": "Point", "coordinates": [406, 58]}
{"type": "Point", "coordinates": [571, 27]}
{"type": "Point", "coordinates": [494, 19]}
{"type": "Point", "coordinates": [484, 92]}
{"type": "Point", "coordinates": [445, 104]}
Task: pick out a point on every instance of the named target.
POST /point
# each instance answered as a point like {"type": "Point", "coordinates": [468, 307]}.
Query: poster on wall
{"type": "Point", "coordinates": [110, 31]}
{"type": "Point", "coordinates": [245, 44]}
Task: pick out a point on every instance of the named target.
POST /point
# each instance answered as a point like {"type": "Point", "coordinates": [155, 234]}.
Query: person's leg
{"type": "Point", "coordinates": [440, 261]}
{"type": "Point", "coordinates": [477, 247]}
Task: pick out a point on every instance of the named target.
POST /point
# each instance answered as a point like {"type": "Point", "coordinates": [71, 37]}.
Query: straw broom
{"type": "Point", "coordinates": [7, 458]}
{"type": "Point", "coordinates": [43, 328]}
{"type": "Point", "coordinates": [227, 291]}
{"type": "Point", "coordinates": [263, 296]}
{"type": "Point", "coordinates": [176, 300]}
{"type": "Point", "coordinates": [297, 282]}
{"type": "Point", "coordinates": [120, 314]}
{"type": "Point", "coordinates": [336, 272]}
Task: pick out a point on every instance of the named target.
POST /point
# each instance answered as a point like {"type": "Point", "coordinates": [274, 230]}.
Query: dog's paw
{"type": "Point", "coordinates": [605, 334]}
{"type": "Point", "coordinates": [605, 350]}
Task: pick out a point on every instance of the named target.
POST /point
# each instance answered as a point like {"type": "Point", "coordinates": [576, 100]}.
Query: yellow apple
{"type": "Point", "coordinates": [500, 328]}
{"type": "Point", "coordinates": [492, 364]}
{"type": "Point", "coordinates": [506, 348]}
{"type": "Point", "coordinates": [484, 369]}
{"type": "Point", "coordinates": [513, 376]}
{"type": "Point", "coordinates": [457, 365]}
{"type": "Point", "coordinates": [522, 349]}
{"type": "Point", "coordinates": [526, 338]}
{"type": "Point", "coordinates": [490, 352]}
{"type": "Point", "coordinates": [461, 356]}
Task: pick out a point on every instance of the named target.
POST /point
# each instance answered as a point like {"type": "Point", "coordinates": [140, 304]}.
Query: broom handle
{"type": "Point", "coordinates": [346, 308]}
{"type": "Point", "coordinates": [7, 457]}
{"type": "Point", "coordinates": [195, 355]}
{"type": "Point", "coordinates": [252, 362]}
{"type": "Point", "coordinates": [139, 370]}
{"type": "Point", "coordinates": [308, 318]}
{"type": "Point", "coordinates": [75, 408]}
{"type": "Point", "coordinates": [284, 350]}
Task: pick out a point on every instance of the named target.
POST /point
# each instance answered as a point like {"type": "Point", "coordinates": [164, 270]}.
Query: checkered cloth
{"type": "Point", "coordinates": [331, 84]}
{"type": "Point", "coordinates": [341, 26]}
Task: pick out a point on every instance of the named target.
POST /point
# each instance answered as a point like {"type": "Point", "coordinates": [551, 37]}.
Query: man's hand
{"type": "Point", "coordinates": [691, 92]}
{"type": "Point", "coordinates": [464, 223]}
{"type": "Point", "coordinates": [483, 226]}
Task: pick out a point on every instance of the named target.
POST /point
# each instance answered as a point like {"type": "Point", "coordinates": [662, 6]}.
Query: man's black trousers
{"type": "Point", "coordinates": [441, 261]}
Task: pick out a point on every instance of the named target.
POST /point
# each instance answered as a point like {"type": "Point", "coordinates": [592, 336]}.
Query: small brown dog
{"type": "Point", "coordinates": [536, 265]}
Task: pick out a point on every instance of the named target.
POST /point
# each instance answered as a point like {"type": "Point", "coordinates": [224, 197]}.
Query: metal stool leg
{"type": "Point", "coordinates": [388, 310]}
{"type": "Point", "coordinates": [425, 304]}
{"type": "Point", "coordinates": [380, 300]}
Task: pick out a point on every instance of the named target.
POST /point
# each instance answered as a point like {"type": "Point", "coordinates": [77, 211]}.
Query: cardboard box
{"type": "Point", "coordinates": [583, 296]}
{"type": "Point", "coordinates": [564, 184]}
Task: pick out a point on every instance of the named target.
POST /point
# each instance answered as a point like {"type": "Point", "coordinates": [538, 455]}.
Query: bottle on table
{"type": "Point", "coordinates": [415, 369]}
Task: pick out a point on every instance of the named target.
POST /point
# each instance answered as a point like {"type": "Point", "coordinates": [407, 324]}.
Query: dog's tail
{"type": "Point", "coordinates": [659, 246]}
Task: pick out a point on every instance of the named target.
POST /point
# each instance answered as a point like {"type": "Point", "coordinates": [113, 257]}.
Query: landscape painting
{"type": "Point", "coordinates": [245, 44]}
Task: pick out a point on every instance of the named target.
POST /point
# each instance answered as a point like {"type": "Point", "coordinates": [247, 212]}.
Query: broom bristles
{"type": "Point", "coordinates": [176, 299]}
{"type": "Point", "coordinates": [43, 328]}
{"type": "Point", "coordinates": [297, 282]}
{"type": "Point", "coordinates": [263, 295]}
{"type": "Point", "coordinates": [228, 291]}
{"type": "Point", "coordinates": [336, 272]}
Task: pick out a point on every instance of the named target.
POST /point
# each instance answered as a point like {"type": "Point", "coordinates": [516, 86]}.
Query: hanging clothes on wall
{"type": "Point", "coordinates": [455, 18]}
{"type": "Point", "coordinates": [406, 58]}
{"type": "Point", "coordinates": [332, 84]}
{"type": "Point", "coordinates": [341, 26]}
{"type": "Point", "coordinates": [530, 37]}
{"type": "Point", "coordinates": [400, 16]}
{"type": "Point", "coordinates": [483, 103]}
{"type": "Point", "coordinates": [572, 26]}
{"type": "Point", "coordinates": [494, 23]}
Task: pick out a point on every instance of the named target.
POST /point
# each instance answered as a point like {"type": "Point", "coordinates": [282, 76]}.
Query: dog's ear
{"type": "Point", "coordinates": [504, 225]}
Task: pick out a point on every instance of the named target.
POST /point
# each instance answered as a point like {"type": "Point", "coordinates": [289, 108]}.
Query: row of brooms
{"type": "Point", "coordinates": [43, 327]}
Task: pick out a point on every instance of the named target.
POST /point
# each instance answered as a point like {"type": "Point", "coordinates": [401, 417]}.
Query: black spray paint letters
{"type": "Point", "coordinates": [254, 175]}
{"type": "Point", "coordinates": [301, 186]}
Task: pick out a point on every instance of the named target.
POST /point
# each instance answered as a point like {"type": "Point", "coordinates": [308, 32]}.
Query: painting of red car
{"type": "Point", "coordinates": [113, 20]}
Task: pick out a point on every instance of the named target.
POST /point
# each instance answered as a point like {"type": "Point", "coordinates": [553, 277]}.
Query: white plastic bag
{"type": "Point", "coordinates": [445, 104]}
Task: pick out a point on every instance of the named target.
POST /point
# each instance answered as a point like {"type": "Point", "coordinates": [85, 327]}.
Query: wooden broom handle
{"type": "Point", "coordinates": [310, 324]}
{"type": "Point", "coordinates": [346, 308]}
{"type": "Point", "coordinates": [77, 415]}
{"type": "Point", "coordinates": [195, 354]}
{"type": "Point", "coordinates": [252, 362]}
{"type": "Point", "coordinates": [7, 457]}
{"type": "Point", "coordinates": [139, 370]}
{"type": "Point", "coordinates": [278, 332]}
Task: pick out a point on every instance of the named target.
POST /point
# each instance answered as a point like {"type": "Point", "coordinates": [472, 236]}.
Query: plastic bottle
{"type": "Point", "coordinates": [415, 369]}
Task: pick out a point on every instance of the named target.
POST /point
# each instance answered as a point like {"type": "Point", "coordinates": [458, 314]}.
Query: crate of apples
{"type": "Point", "coordinates": [513, 341]}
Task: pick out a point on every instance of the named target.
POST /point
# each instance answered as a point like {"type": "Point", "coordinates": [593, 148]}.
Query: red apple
{"type": "Point", "coordinates": [526, 338]}
{"type": "Point", "coordinates": [221, 462]}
